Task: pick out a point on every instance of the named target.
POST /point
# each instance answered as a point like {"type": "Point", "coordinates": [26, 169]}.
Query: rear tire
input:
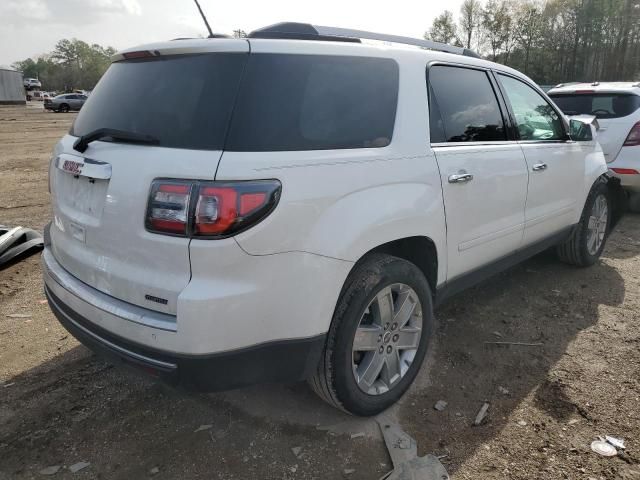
{"type": "Point", "coordinates": [336, 379]}
{"type": "Point", "coordinates": [588, 239]}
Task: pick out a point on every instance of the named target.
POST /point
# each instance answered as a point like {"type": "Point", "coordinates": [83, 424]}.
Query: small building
{"type": "Point", "coordinates": [11, 87]}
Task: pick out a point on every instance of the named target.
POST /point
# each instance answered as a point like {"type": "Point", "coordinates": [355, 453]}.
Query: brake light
{"type": "Point", "coordinates": [625, 171]}
{"type": "Point", "coordinates": [203, 209]}
{"type": "Point", "coordinates": [137, 54]}
{"type": "Point", "coordinates": [633, 139]}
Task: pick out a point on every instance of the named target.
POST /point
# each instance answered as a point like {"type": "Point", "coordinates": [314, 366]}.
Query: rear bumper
{"type": "Point", "coordinates": [628, 158]}
{"type": "Point", "coordinates": [284, 361]}
{"type": "Point", "coordinates": [91, 316]}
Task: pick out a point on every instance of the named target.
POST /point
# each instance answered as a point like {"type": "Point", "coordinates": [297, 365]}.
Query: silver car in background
{"type": "Point", "coordinates": [66, 102]}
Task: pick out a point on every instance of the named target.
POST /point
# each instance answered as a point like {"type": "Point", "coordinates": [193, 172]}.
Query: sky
{"type": "Point", "coordinates": [29, 28]}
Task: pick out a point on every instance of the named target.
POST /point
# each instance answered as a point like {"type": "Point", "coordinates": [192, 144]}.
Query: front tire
{"type": "Point", "coordinates": [589, 237]}
{"type": "Point", "coordinates": [378, 337]}
{"type": "Point", "coordinates": [64, 108]}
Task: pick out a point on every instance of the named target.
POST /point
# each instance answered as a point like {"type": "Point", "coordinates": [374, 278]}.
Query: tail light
{"type": "Point", "coordinates": [200, 209]}
{"type": "Point", "coordinates": [633, 139]}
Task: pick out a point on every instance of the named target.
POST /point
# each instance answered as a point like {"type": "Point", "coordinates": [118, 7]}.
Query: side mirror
{"type": "Point", "coordinates": [583, 128]}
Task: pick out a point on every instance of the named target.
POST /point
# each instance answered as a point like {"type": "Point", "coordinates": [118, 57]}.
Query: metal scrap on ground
{"type": "Point", "coordinates": [18, 241]}
{"type": "Point", "coordinates": [404, 455]}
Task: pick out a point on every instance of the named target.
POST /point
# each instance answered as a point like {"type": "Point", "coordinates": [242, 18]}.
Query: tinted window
{"type": "Point", "coordinates": [602, 105]}
{"type": "Point", "coordinates": [468, 107]}
{"type": "Point", "coordinates": [186, 104]}
{"type": "Point", "coordinates": [535, 117]}
{"type": "Point", "coordinates": [312, 102]}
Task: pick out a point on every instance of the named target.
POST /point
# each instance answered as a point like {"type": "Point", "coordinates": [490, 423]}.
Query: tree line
{"type": "Point", "coordinates": [552, 41]}
{"type": "Point", "coordinates": [73, 64]}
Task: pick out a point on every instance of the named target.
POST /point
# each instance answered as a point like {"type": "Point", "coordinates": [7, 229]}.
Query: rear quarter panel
{"type": "Point", "coordinates": [343, 203]}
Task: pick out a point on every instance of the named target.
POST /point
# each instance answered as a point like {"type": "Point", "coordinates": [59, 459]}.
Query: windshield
{"type": "Point", "coordinates": [602, 105]}
{"type": "Point", "coordinates": [184, 101]}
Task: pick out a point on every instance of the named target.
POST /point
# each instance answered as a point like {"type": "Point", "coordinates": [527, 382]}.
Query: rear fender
{"type": "Point", "coordinates": [366, 219]}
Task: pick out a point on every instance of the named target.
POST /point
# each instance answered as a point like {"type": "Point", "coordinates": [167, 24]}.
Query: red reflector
{"type": "Point", "coordinates": [138, 54]}
{"type": "Point", "coordinates": [216, 209]}
{"type": "Point", "coordinates": [251, 201]}
{"type": "Point", "coordinates": [625, 171]}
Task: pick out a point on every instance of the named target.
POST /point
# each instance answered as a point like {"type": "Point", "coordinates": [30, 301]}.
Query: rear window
{"type": "Point", "coordinates": [184, 101]}
{"type": "Point", "coordinates": [312, 102]}
{"type": "Point", "coordinates": [602, 105]}
{"type": "Point", "coordinates": [270, 102]}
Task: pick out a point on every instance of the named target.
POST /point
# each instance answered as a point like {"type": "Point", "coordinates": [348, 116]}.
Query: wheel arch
{"type": "Point", "coordinates": [419, 250]}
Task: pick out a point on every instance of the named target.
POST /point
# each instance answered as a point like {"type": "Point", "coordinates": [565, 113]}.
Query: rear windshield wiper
{"type": "Point", "coordinates": [83, 142]}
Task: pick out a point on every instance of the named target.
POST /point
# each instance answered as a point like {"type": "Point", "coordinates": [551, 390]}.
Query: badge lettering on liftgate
{"type": "Point", "coordinates": [72, 167]}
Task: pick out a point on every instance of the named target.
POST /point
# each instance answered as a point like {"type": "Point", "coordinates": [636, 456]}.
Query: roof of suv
{"type": "Point", "coordinates": [311, 47]}
{"type": "Point", "coordinates": [598, 87]}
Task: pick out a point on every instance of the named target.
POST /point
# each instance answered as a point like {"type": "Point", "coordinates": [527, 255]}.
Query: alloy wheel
{"type": "Point", "coordinates": [387, 339]}
{"type": "Point", "coordinates": [597, 225]}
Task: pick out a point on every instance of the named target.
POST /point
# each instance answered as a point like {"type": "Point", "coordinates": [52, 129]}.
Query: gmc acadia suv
{"type": "Point", "coordinates": [300, 212]}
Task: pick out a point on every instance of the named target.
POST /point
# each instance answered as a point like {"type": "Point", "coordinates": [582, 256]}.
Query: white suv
{"type": "Point", "coordinates": [298, 214]}
{"type": "Point", "coordinates": [617, 108]}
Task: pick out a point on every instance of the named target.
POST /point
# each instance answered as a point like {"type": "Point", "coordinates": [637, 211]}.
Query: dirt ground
{"type": "Point", "coordinates": [60, 405]}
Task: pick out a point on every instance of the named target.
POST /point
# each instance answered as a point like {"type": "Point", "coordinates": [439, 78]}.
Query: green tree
{"type": "Point", "coordinates": [443, 29]}
{"type": "Point", "coordinates": [497, 25]}
{"type": "Point", "coordinates": [470, 18]}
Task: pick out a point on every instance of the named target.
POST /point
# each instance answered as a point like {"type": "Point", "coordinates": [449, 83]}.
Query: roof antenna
{"type": "Point", "coordinates": [211, 35]}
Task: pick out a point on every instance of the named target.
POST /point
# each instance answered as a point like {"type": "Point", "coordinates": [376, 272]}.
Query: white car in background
{"type": "Point", "coordinates": [616, 105]}
{"type": "Point", "coordinates": [30, 83]}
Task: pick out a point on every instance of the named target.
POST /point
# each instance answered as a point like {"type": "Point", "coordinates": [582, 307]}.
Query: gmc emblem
{"type": "Point", "coordinates": [72, 167]}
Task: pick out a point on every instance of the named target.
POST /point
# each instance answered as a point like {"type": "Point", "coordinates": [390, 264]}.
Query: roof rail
{"type": "Point", "coordinates": [306, 31]}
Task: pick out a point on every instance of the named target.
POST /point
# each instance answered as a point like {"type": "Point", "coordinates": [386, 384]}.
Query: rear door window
{"type": "Point", "coordinates": [313, 102]}
{"type": "Point", "coordinates": [602, 105]}
{"type": "Point", "coordinates": [535, 117]}
{"type": "Point", "coordinates": [463, 106]}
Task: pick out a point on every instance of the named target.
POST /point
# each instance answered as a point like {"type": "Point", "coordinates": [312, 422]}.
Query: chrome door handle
{"type": "Point", "coordinates": [460, 178]}
{"type": "Point", "coordinates": [539, 166]}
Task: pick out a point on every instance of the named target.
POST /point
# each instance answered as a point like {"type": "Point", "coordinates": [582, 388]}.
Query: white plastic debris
{"type": "Point", "coordinates": [616, 442]}
{"type": "Point", "coordinates": [52, 470]}
{"type": "Point", "coordinates": [603, 448]}
{"type": "Point", "coordinates": [440, 405]}
{"type": "Point", "coordinates": [296, 451]}
{"type": "Point", "coordinates": [202, 427]}
{"type": "Point", "coordinates": [481, 414]}
{"type": "Point", "coordinates": [357, 435]}
{"type": "Point", "coordinates": [76, 467]}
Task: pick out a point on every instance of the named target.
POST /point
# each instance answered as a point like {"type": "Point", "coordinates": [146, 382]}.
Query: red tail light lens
{"type": "Point", "coordinates": [209, 209]}
{"type": "Point", "coordinates": [633, 139]}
